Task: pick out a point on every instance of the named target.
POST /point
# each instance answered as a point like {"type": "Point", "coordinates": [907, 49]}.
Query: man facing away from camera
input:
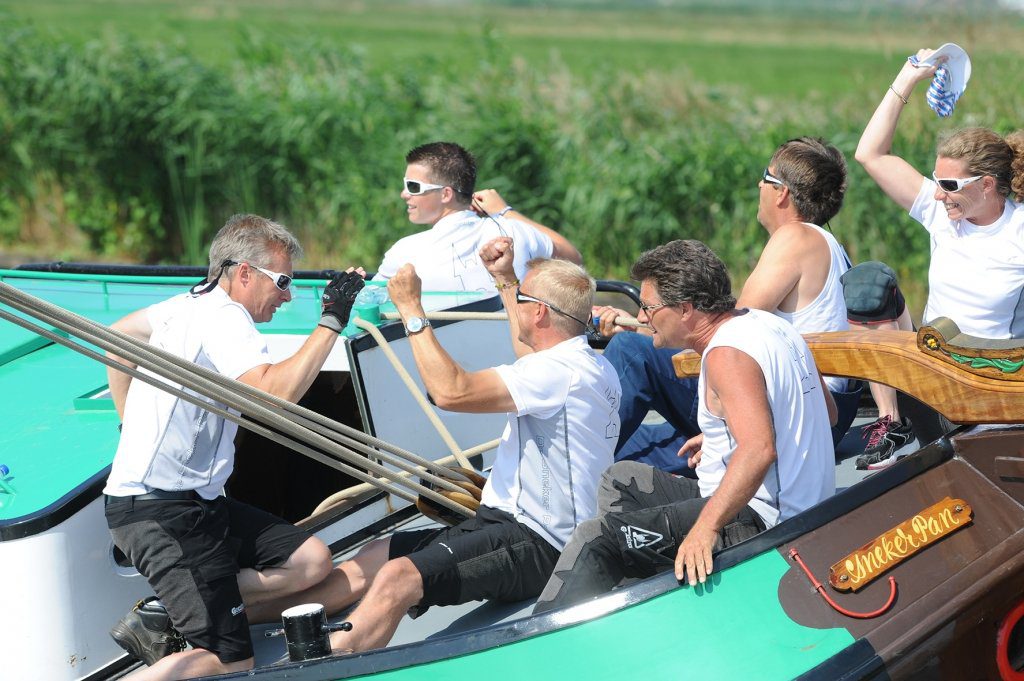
{"type": "Point", "coordinates": [562, 404]}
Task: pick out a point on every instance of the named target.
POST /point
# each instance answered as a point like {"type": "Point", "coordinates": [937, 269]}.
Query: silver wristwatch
{"type": "Point", "coordinates": [415, 325]}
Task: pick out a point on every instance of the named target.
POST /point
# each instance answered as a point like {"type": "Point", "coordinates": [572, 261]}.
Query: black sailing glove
{"type": "Point", "coordinates": [338, 298]}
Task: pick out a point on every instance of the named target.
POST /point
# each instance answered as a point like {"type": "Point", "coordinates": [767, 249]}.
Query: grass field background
{"type": "Point", "coordinates": [133, 128]}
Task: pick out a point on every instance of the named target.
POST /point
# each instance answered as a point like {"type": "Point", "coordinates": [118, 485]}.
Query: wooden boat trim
{"type": "Point", "coordinates": [897, 359]}
{"type": "Point", "coordinates": [1000, 359]}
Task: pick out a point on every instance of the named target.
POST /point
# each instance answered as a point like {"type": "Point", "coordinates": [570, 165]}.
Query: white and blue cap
{"type": "Point", "coordinates": [950, 79]}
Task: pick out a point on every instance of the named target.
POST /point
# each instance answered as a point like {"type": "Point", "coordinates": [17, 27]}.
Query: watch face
{"type": "Point", "coordinates": [414, 324]}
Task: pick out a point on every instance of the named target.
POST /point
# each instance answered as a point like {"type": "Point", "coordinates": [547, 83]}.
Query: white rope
{"type": "Point", "coordinates": [453, 446]}
{"type": "Point", "coordinates": [495, 316]}
{"type": "Point", "coordinates": [213, 386]}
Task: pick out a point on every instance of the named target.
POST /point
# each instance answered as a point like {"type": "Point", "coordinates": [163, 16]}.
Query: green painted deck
{"type": "Point", "coordinates": [686, 633]}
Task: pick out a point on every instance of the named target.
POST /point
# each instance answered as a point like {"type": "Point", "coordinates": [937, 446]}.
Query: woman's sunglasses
{"type": "Point", "coordinates": [951, 185]}
{"type": "Point", "coordinates": [415, 187]}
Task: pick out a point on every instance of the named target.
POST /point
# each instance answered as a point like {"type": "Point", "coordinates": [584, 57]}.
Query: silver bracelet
{"type": "Point", "coordinates": [501, 213]}
{"type": "Point", "coordinates": [902, 98]}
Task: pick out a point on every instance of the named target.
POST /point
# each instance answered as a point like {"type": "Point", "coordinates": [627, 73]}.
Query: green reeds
{"type": "Point", "coordinates": [144, 151]}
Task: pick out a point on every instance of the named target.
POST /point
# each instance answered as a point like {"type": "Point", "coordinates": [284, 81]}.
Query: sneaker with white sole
{"type": "Point", "coordinates": [884, 437]}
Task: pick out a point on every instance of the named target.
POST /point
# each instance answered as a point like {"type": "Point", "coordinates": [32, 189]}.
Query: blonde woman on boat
{"type": "Point", "coordinates": [968, 208]}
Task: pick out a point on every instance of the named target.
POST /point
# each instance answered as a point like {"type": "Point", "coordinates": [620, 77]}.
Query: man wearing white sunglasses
{"type": "Point", "coordinates": [210, 557]}
{"type": "Point", "coordinates": [797, 277]}
{"type": "Point", "coordinates": [438, 190]}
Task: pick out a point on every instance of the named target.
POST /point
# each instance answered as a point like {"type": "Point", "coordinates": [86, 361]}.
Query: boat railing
{"type": "Point", "coordinates": [966, 384]}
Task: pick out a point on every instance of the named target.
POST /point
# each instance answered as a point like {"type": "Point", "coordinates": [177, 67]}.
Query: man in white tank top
{"type": "Point", "coordinates": [764, 454]}
{"type": "Point", "coordinates": [797, 277]}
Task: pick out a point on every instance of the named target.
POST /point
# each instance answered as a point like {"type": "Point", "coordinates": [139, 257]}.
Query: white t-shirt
{"type": "Point", "coordinates": [559, 441]}
{"type": "Point", "coordinates": [804, 472]}
{"type": "Point", "coordinates": [827, 312]}
{"type": "Point", "coordinates": [167, 443]}
{"type": "Point", "coordinates": [976, 275]}
{"type": "Point", "coordinates": [446, 256]}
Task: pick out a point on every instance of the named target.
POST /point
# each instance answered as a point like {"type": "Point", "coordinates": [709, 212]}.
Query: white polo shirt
{"type": "Point", "coordinates": [976, 274]}
{"type": "Point", "coordinates": [446, 256]}
{"type": "Point", "coordinates": [560, 440]}
{"type": "Point", "coordinates": [167, 443]}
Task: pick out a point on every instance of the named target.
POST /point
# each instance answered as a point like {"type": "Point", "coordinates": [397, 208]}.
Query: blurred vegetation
{"type": "Point", "coordinates": [129, 148]}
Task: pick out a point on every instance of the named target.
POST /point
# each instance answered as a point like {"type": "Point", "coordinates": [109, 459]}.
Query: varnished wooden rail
{"type": "Point", "coordinates": [895, 359]}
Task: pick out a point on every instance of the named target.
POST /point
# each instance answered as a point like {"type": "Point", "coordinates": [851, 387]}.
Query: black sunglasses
{"type": "Point", "coordinates": [523, 298]}
{"type": "Point", "coordinates": [771, 179]}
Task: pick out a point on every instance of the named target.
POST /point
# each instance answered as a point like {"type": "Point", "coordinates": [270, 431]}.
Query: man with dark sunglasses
{"type": "Point", "coordinates": [561, 399]}
{"type": "Point", "coordinates": [763, 455]}
{"type": "Point", "coordinates": [797, 277]}
{"type": "Point", "coordinates": [206, 556]}
{"type": "Point", "coordinates": [438, 190]}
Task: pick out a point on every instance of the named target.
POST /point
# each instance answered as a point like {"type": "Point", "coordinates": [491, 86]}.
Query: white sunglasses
{"type": "Point", "coordinates": [951, 185]}
{"type": "Point", "coordinates": [415, 187]}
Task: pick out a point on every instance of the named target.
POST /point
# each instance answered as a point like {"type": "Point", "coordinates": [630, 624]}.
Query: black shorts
{"type": "Point", "coordinates": [491, 556]}
{"type": "Point", "coordinates": [191, 552]}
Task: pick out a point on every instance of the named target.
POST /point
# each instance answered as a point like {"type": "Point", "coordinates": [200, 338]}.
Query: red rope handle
{"type": "Point", "coordinates": [795, 555]}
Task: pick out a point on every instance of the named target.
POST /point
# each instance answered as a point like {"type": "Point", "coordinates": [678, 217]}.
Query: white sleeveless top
{"type": "Point", "coordinates": [827, 312]}
{"type": "Point", "coordinates": [804, 471]}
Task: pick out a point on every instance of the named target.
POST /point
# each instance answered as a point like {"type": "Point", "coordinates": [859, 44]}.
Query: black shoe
{"type": "Point", "coordinates": [146, 632]}
{"type": "Point", "coordinates": [884, 437]}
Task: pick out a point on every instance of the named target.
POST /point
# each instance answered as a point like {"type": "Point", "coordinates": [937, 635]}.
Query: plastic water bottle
{"type": "Point", "coordinates": [367, 306]}
{"type": "Point", "coordinates": [372, 295]}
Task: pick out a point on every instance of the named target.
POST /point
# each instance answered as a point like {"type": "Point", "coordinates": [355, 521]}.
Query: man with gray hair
{"type": "Point", "coordinates": [562, 404]}
{"type": "Point", "coordinates": [208, 557]}
{"type": "Point", "coordinates": [764, 453]}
